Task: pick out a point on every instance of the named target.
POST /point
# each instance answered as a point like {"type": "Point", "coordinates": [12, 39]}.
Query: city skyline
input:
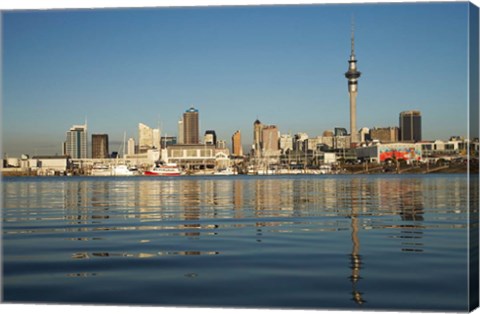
{"type": "Point", "coordinates": [280, 64]}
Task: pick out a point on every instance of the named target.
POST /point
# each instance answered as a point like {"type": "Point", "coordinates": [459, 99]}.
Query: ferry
{"type": "Point", "coordinates": [163, 169]}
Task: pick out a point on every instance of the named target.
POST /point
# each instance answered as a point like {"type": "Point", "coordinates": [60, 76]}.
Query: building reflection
{"type": "Point", "coordinates": [358, 192]}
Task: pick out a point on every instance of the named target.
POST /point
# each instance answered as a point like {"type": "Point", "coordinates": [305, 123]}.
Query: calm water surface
{"type": "Point", "coordinates": [345, 242]}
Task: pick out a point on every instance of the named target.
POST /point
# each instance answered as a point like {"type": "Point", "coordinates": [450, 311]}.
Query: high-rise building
{"type": "Point", "coordinates": [269, 139]}
{"type": "Point", "coordinates": [191, 127]}
{"type": "Point", "coordinates": [286, 143]}
{"type": "Point", "coordinates": [148, 138]}
{"type": "Point", "coordinates": [210, 137]}
{"type": "Point", "coordinates": [145, 137]}
{"type": "Point", "coordinates": [384, 135]}
{"type": "Point", "coordinates": [76, 143]}
{"type": "Point", "coordinates": [237, 144]}
{"type": "Point", "coordinates": [221, 144]}
{"type": "Point", "coordinates": [257, 137]}
{"type": "Point", "coordinates": [352, 76]}
{"type": "Point", "coordinates": [180, 132]}
{"type": "Point", "coordinates": [99, 145]}
{"type": "Point", "coordinates": [168, 141]}
{"type": "Point", "coordinates": [299, 141]}
{"type": "Point", "coordinates": [410, 126]}
{"type": "Point", "coordinates": [131, 147]}
{"type": "Point", "coordinates": [340, 132]}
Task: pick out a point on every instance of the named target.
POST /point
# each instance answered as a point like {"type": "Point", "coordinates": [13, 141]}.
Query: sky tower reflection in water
{"type": "Point", "coordinates": [338, 242]}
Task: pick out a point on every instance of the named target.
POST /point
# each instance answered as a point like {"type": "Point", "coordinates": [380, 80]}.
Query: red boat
{"type": "Point", "coordinates": [163, 169]}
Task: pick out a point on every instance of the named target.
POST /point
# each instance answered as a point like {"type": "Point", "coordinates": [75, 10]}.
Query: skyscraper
{"type": "Point", "coordinates": [148, 138]}
{"type": "Point", "coordinates": [353, 75]}
{"type": "Point", "coordinates": [145, 137]}
{"type": "Point", "coordinates": [410, 126]}
{"type": "Point", "coordinates": [270, 140]}
{"type": "Point", "coordinates": [190, 127]}
{"type": "Point", "coordinates": [210, 137]}
{"type": "Point", "coordinates": [99, 145]}
{"type": "Point", "coordinates": [131, 147]}
{"type": "Point", "coordinates": [237, 144]}
{"type": "Point", "coordinates": [180, 132]}
{"type": "Point", "coordinates": [76, 143]}
{"type": "Point", "coordinates": [257, 137]}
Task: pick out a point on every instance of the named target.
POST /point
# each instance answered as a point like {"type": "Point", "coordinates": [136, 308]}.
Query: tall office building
{"type": "Point", "coordinates": [385, 135]}
{"type": "Point", "coordinates": [145, 137]}
{"type": "Point", "coordinates": [270, 139]}
{"type": "Point", "coordinates": [156, 138]}
{"type": "Point", "coordinates": [180, 132]}
{"type": "Point", "coordinates": [286, 143]}
{"type": "Point", "coordinates": [237, 144]}
{"type": "Point", "coordinates": [76, 143]}
{"type": "Point", "coordinates": [210, 137]}
{"type": "Point", "coordinates": [191, 127]}
{"type": "Point", "coordinates": [148, 138]}
{"type": "Point", "coordinates": [257, 137]}
{"type": "Point", "coordinates": [352, 76]}
{"type": "Point", "coordinates": [131, 147]}
{"type": "Point", "coordinates": [99, 145]}
{"type": "Point", "coordinates": [410, 126]}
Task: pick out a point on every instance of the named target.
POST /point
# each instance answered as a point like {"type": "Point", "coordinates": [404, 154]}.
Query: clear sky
{"type": "Point", "coordinates": [284, 65]}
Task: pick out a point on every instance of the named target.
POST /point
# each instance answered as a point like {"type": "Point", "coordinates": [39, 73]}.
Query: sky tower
{"type": "Point", "coordinates": [352, 76]}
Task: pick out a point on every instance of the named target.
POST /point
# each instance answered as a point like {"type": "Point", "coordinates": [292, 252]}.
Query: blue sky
{"type": "Point", "coordinates": [281, 64]}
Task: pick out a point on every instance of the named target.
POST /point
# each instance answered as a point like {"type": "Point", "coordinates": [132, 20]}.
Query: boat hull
{"type": "Point", "coordinates": [161, 174]}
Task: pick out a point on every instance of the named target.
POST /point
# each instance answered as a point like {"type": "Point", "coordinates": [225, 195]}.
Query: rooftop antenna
{"type": "Point", "coordinates": [353, 36]}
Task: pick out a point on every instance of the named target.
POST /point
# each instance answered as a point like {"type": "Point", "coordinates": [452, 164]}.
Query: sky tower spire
{"type": "Point", "coordinates": [352, 76]}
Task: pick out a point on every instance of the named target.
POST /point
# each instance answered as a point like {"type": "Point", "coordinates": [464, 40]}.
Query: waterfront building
{"type": "Point", "coordinates": [131, 147]}
{"type": "Point", "coordinates": [328, 133]}
{"type": "Point", "coordinates": [210, 137]}
{"type": "Point", "coordinates": [410, 126]}
{"type": "Point", "coordinates": [340, 131]}
{"type": "Point", "coordinates": [286, 143]}
{"type": "Point", "coordinates": [221, 144]}
{"type": "Point", "coordinates": [148, 138]}
{"type": "Point", "coordinates": [145, 137]}
{"type": "Point", "coordinates": [314, 143]}
{"type": "Point", "coordinates": [385, 135]}
{"type": "Point", "coordinates": [342, 142]}
{"type": "Point", "coordinates": [192, 156]}
{"type": "Point", "coordinates": [352, 76]}
{"type": "Point", "coordinates": [99, 145]}
{"type": "Point", "coordinates": [76, 142]}
{"type": "Point", "coordinates": [191, 126]}
{"type": "Point", "coordinates": [364, 135]}
{"type": "Point", "coordinates": [156, 138]}
{"type": "Point", "coordinates": [299, 141]}
{"type": "Point", "coordinates": [391, 151]}
{"type": "Point", "coordinates": [180, 131]}
{"type": "Point", "coordinates": [237, 144]}
{"type": "Point", "coordinates": [167, 141]}
{"type": "Point", "coordinates": [270, 140]}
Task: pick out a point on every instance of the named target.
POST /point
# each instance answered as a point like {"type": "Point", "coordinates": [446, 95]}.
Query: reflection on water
{"type": "Point", "coordinates": [295, 240]}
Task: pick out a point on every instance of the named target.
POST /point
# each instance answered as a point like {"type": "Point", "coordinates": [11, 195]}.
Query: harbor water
{"type": "Point", "coordinates": [324, 242]}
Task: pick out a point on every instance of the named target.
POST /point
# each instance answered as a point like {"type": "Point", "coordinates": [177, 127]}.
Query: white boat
{"type": "Point", "coordinates": [228, 171]}
{"type": "Point", "coordinates": [124, 170]}
{"type": "Point", "coordinates": [163, 169]}
{"type": "Point", "coordinates": [101, 170]}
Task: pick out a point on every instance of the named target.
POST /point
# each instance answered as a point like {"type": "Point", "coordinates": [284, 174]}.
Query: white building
{"type": "Point", "coordinates": [286, 143]}
{"type": "Point", "coordinates": [392, 151]}
{"type": "Point", "coordinates": [131, 147]}
{"type": "Point", "coordinates": [180, 132]}
{"type": "Point", "coordinates": [148, 138]}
